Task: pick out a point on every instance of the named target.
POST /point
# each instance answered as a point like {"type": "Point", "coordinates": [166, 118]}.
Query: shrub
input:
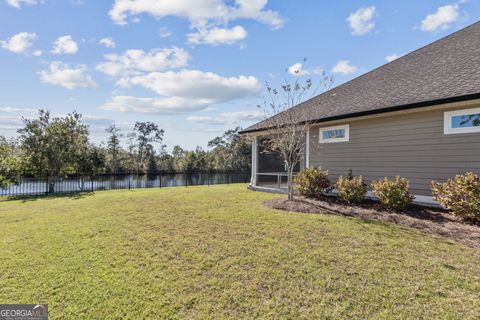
{"type": "Point", "coordinates": [351, 189]}
{"type": "Point", "coordinates": [312, 182]}
{"type": "Point", "coordinates": [460, 195]}
{"type": "Point", "coordinates": [393, 193]}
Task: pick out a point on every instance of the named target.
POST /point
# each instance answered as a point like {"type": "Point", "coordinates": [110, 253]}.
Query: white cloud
{"type": "Point", "coordinates": [65, 45]}
{"type": "Point", "coordinates": [207, 120]}
{"type": "Point", "coordinates": [298, 69]}
{"type": "Point", "coordinates": [194, 84]}
{"type": "Point", "coordinates": [19, 43]}
{"type": "Point", "coordinates": [18, 3]}
{"type": "Point", "coordinates": [255, 9]}
{"type": "Point", "coordinates": [392, 57]}
{"type": "Point", "coordinates": [137, 61]}
{"type": "Point", "coordinates": [441, 19]}
{"type": "Point", "coordinates": [361, 21]}
{"type": "Point", "coordinates": [228, 118]}
{"type": "Point", "coordinates": [17, 110]}
{"type": "Point", "coordinates": [216, 36]}
{"type": "Point", "coordinates": [170, 105]}
{"type": "Point", "coordinates": [209, 18]}
{"type": "Point", "coordinates": [61, 74]}
{"type": "Point", "coordinates": [344, 67]}
{"type": "Point", "coordinates": [194, 10]}
{"type": "Point", "coordinates": [186, 90]}
{"type": "Point", "coordinates": [197, 11]}
{"type": "Point", "coordinates": [107, 42]}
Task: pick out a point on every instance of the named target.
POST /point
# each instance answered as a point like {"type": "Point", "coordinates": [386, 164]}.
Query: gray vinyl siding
{"type": "Point", "coordinates": [410, 145]}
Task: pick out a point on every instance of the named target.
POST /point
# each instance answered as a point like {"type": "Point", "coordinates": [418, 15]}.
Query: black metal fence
{"type": "Point", "coordinates": [32, 186]}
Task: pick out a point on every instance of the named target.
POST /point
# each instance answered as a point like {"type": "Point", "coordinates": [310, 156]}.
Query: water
{"type": "Point", "coordinates": [32, 186]}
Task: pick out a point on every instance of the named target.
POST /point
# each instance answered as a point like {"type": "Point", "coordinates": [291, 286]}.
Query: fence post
{"type": "Point", "coordinates": [186, 179]}
{"type": "Point", "coordinates": [129, 180]}
{"type": "Point", "coordinates": [228, 178]}
{"type": "Point", "coordinates": [160, 180]}
{"type": "Point", "coordinates": [91, 181]}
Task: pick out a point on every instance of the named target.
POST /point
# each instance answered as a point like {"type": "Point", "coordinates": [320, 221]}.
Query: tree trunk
{"type": "Point", "coordinates": [290, 182]}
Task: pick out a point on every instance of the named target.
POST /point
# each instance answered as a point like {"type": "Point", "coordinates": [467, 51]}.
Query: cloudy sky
{"type": "Point", "coordinates": [195, 67]}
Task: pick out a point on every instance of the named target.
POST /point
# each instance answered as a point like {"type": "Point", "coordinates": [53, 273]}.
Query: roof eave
{"type": "Point", "coordinates": [383, 110]}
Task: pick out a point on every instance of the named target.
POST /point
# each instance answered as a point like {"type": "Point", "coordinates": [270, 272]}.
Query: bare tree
{"type": "Point", "coordinates": [286, 128]}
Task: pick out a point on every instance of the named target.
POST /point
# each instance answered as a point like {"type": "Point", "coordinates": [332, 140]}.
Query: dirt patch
{"type": "Point", "coordinates": [430, 220]}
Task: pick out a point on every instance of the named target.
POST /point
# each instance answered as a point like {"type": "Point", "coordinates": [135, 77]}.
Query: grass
{"type": "Point", "coordinates": [216, 252]}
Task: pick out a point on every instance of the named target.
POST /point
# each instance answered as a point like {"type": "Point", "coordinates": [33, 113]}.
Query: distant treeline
{"type": "Point", "coordinates": [50, 147]}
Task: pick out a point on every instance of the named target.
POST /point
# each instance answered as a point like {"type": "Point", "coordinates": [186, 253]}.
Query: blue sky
{"type": "Point", "coordinates": [195, 67]}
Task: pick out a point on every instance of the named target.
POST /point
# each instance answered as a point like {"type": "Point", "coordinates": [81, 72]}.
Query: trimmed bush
{"type": "Point", "coordinates": [393, 193]}
{"type": "Point", "coordinates": [351, 189]}
{"type": "Point", "coordinates": [460, 195]}
{"type": "Point", "coordinates": [312, 182]}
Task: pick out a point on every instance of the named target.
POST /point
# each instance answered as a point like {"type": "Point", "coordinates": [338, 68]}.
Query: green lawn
{"type": "Point", "coordinates": [216, 252]}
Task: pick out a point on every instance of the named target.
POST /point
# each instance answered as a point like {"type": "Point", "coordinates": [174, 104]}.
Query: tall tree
{"type": "Point", "coordinates": [231, 151]}
{"type": "Point", "coordinates": [286, 130]}
{"type": "Point", "coordinates": [90, 161]}
{"type": "Point", "coordinates": [52, 146]}
{"type": "Point", "coordinates": [146, 135]}
{"type": "Point", "coordinates": [10, 164]}
{"type": "Point", "coordinates": [178, 159]}
{"type": "Point", "coordinates": [114, 148]}
{"type": "Point", "coordinates": [165, 161]}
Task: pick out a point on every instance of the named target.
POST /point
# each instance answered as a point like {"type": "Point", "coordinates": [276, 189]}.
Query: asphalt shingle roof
{"type": "Point", "coordinates": [445, 69]}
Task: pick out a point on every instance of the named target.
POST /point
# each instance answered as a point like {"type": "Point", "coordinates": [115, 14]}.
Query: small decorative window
{"type": "Point", "coordinates": [335, 134]}
{"type": "Point", "coordinates": [462, 121]}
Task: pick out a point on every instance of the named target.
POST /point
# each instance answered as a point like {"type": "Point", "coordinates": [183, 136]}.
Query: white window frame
{"type": "Point", "coordinates": [447, 121]}
{"type": "Point", "coordinates": [345, 127]}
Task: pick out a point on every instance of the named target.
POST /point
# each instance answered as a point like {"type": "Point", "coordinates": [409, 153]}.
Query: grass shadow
{"type": "Point", "coordinates": [70, 195]}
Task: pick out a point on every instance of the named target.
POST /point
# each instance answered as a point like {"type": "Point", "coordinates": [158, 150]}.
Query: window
{"type": "Point", "coordinates": [335, 134]}
{"type": "Point", "coordinates": [462, 121]}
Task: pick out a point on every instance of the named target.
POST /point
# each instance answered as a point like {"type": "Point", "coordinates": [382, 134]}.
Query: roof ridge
{"type": "Point", "coordinates": [388, 63]}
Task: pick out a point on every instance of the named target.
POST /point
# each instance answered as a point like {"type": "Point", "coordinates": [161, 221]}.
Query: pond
{"type": "Point", "coordinates": [32, 186]}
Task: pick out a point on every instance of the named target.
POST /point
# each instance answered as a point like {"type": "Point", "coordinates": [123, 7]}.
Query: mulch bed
{"type": "Point", "coordinates": [429, 220]}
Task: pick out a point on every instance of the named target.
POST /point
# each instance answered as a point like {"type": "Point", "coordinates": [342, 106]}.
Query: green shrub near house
{"type": "Point", "coordinates": [460, 195]}
{"type": "Point", "coordinates": [393, 194]}
{"type": "Point", "coordinates": [351, 189]}
{"type": "Point", "coordinates": [312, 182]}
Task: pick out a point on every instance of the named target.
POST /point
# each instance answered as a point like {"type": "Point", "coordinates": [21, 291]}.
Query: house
{"type": "Point", "coordinates": [417, 116]}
